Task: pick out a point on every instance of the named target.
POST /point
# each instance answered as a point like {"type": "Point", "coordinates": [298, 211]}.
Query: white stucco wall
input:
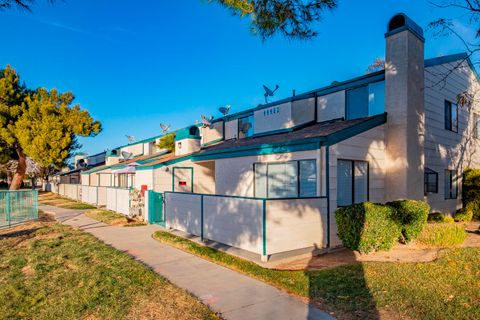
{"type": "Point", "coordinates": [212, 133]}
{"type": "Point", "coordinates": [274, 118]}
{"type": "Point", "coordinates": [231, 129]}
{"type": "Point", "coordinates": [144, 177]}
{"type": "Point", "coordinates": [303, 111]}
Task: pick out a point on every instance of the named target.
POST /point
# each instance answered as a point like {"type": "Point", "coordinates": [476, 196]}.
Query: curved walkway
{"type": "Point", "coordinates": [231, 294]}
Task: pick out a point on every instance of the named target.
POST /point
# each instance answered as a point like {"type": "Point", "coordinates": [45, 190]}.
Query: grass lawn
{"type": "Point", "coordinates": [448, 288]}
{"type": "Point", "coordinates": [52, 199]}
{"type": "Point", "coordinates": [113, 218]}
{"type": "Point", "coordinates": [52, 271]}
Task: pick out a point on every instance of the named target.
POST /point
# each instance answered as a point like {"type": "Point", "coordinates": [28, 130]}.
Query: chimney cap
{"type": "Point", "coordinates": [401, 22]}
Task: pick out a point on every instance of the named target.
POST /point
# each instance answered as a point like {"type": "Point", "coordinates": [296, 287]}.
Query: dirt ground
{"type": "Point", "coordinates": [411, 252]}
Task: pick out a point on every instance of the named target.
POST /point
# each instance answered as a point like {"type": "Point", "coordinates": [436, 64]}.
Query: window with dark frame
{"type": "Point", "coordinates": [430, 181]}
{"type": "Point", "coordinates": [291, 179]}
{"type": "Point", "coordinates": [451, 184]}
{"type": "Point", "coordinates": [352, 182]}
{"type": "Point", "coordinates": [451, 116]}
{"type": "Point", "coordinates": [245, 127]}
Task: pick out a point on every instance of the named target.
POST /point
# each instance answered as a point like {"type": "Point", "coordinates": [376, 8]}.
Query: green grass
{"type": "Point", "coordinates": [52, 199]}
{"type": "Point", "coordinates": [447, 288]}
{"type": "Point", "coordinates": [111, 217]}
{"type": "Point", "coordinates": [442, 235]}
{"type": "Point", "coordinates": [52, 271]}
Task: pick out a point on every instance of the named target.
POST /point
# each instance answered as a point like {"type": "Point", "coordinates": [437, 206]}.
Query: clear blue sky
{"type": "Point", "coordinates": [134, 64]}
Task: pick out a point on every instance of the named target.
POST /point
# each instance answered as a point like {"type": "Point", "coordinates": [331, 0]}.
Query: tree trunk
{"type": "Point", "coordinates": [17, 179]}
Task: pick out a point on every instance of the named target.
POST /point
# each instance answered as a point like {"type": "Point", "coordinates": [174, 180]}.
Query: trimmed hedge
{"type": "Point", "coordinates": [367, 227]}
{"type": "Point", "coordinates": [471, 191]}
{"type": "Point", "coordinates": [412, 216]}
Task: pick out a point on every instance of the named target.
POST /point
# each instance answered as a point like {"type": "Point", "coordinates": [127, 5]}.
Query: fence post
{"type": "Point", "coordinates": [201, 217]}
{"type": "Point", "coordinates": [8, 207]}
{"type": "Point", "coordinates": [264, 231]}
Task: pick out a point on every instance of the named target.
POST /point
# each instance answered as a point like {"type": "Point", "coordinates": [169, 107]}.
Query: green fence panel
{"type": "Point", "coordinates": [18, 206]}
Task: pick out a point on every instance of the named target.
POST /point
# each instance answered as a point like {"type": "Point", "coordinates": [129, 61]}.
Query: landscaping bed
{"type": "Point", "coordinates": [52, 271]}
{"type": "Point", "coordinates": [53, 199]}
{"type": "Point", "coordinates": [446, 288]}
{"type": "Point", "coordinates": [113, 218]}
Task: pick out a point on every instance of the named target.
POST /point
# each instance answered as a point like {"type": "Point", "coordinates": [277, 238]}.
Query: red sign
{"type": "Point", "coordinates": [143, 188]}
{"type": "Point", "coordinates": [182, 183]}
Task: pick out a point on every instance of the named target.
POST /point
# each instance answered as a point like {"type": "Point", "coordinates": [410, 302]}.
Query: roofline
{"type": "Point", "coordinates": [166, 163]}
{"type": "Point", "coordinates": [293, 145]}
{"type": "Point", "coordinates": [452, 58]}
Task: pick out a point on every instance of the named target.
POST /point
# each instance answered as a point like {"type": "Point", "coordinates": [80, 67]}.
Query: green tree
{"type": "Point", "coordinates": [40, 124]}
{"type": "Point", "coordinates": [167, 142]}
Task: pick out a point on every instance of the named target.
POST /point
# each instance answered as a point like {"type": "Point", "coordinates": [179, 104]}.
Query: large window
{"type": "Point", "coordinates": [430, 181]}
{"type": "Point", "coordinates": [245, 127]}
{"type": "Point", "coordinates": [451, 116]}
{"type": "Point", "coordinates": [291, 179]}
{"type": "Point", "coordinates": [352, 182]}
{"type": "Point", "coordinates": [451, 184]}
{"type": "Point", "coordinates": [367, 100]}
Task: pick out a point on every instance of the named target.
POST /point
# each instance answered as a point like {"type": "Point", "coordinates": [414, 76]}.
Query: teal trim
{"type": "Point", "coordinates": [264, 227]}
{"type": "Point", "coordinates": [166, 163]}
{"type": "Point", "coordinates": [212, 142]}
{"type": "Point", "coordinates": [201, 218]}
{"type": "Point", "coordinates": [281, 147]}
{"type": "Point", "coordinates": [185, 133]}
{"type": "Point", "coordinates": [246, 198]}
{"type": "Point", "coordinates": [357, 129]}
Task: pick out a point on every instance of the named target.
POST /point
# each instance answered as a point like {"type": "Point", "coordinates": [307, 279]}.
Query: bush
{"type": "Point", "coordinates": [465, 214]}
{"type": "Point", "coordinates": [471, 191]}
{"type": "Point", "coordinates": [412, 216]}
{"type": "Point", "coordinates": [442, 234]}
{"type": "Point", "coordinates": [436, 217]}
{"type": "Point", "coordinates": [448, 220]}
{"type": "Point", "coordinates": [367, 227]}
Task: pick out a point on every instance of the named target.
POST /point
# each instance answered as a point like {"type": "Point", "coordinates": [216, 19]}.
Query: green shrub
{"type": "Point", "coordinates": [412, 216]}
{"type": "Point", "coordinates": [448, 219]}
{"type": "Point", "coordinates": [471, 191]}
{"type": "Point", "coordinates": [367, 227]}
{"type": "Point", "coordinates": [442, 235]}
{"type": "Point", "coordinates": [436, 217]}
{"type": "Point", "coordinates": [465, 214]}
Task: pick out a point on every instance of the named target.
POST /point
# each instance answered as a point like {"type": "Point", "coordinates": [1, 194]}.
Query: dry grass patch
{"type": "Point", "coordinates": [52, 271]}
{"type": "Point", "coordinates": [52, 199]}
{"type": "Point", "coordinates": [442, 235]}
{"type": "Point", "coordinates": [113, 218]}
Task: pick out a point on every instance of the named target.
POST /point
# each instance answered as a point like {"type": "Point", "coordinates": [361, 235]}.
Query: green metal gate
{"type": "Point", "coordinates": [18, 206]}
{"type": "Point", "coordinates": [155, 208]}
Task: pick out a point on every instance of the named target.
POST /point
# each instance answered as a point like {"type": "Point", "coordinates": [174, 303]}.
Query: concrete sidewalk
{"type": "Point", "coordinates": [231, 294]}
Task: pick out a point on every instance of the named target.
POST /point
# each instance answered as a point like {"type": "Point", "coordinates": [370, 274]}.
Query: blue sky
{"type": "Point", "coordinates": [134, 64]}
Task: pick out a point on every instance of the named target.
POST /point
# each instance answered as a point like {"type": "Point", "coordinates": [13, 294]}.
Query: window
{"type": "Point", "coordinates": [352, 182]}
{"type": "Point", "coordinates": [245, 127]}
{"type": "Point", "coordinates": [451, 116]}
{"type": "Point", "coordinates": [476, 125]}
{"type": "Point", "coordinates": [430, 178]}
{"type": "Point", "coordinates": [293, 179]}
{"type": "Point", "coordinates": [367, 100]}
{"type": "Point", "coordinates": [451, 184]}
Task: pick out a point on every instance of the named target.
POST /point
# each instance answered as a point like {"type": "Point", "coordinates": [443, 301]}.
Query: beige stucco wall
{"type": "Point", "coordinates": [136, 149]}
{"type": "Point", "coordinates": [231, 129]}
{"type": "Point", "coordinates": [144, 177]}
{"type": "Point", "coordinates": [303, 111]}
{"type": "Point", "coordinates": [186, 146]}
{"type": "Point", "coordinates": [203, 177]}
{"type": "Point", "coordinates": [106, 179]}
{"type": "Point", "coordinates": [264, 122]}
{"type": "Point", "coordinates": [331, 106]}
{"type": "Point", "coordinates": [235, 176]}
{"type": "Point", "coordinates": [296, 224]}
{"type": "Point", "coordinates": [368, 146]}
{"type": "Point", "coordinates": [212, 133]}
{"type": "Point", "coordinates": [445, 149]}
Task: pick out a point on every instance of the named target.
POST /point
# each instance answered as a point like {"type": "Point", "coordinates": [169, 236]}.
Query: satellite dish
{"type": "Point", "coordinates": [127, 155]}
{"type": "Point", "coordinates": [224, 110]}
{"type": "Point", "coordinates": [130, 138]}
{"type": "Point", "coordinates": [165, 127]}
{"type": "Point", "coordinates": [269, 92]}
{"type": "Point", "coordinates": [245, 127]}
{"type": "Point", "coordinates": [81, 163]}
{"type": "Point", "coordinates": [206, 122]}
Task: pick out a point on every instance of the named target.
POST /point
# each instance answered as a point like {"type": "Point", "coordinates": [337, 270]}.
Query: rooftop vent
{"type": "Point", "coordinates": [396, 22]}
{"type": "Point", "coordinates": [400, 22]}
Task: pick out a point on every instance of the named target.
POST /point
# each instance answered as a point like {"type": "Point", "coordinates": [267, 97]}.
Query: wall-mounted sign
{"type": "Point", "coordinates": [182, 183]}
{"type": "Point", "coordinates": [271, 111]}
